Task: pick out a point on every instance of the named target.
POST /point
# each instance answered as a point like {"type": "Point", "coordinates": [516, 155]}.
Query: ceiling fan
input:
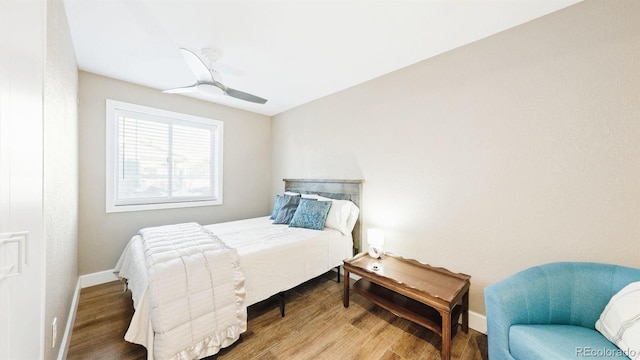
{"type": "Point", "coordinates": [208, 79]}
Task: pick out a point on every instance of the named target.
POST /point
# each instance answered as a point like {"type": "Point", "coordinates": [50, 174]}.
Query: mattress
{"type": "Point", "coordinates": [273, 258]}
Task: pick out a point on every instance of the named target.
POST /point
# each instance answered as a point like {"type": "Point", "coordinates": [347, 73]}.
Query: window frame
{"type": "Point", "coordinates": [113, 108]}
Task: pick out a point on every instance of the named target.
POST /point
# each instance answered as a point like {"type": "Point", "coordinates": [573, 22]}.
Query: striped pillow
{"type": "Point", "coordinates": [620, 320]}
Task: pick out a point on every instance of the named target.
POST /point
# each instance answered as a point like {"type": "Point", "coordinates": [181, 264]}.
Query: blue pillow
{"type": "Point", "coordinates": [289, 206]}
{"type": "Point", "coordinates": [311, 214]}
{"type": "Point", "coordinates": [276, 206]}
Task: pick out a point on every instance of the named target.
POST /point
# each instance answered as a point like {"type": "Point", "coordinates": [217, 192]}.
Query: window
{"type": "Point", "coordinates": [157, 159]}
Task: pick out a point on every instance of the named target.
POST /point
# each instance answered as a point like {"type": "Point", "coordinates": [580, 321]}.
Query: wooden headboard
{"type": "Point", "coordinates": [335, 189]}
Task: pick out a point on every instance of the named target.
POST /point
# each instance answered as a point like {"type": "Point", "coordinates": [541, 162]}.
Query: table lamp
{"type": "Point", "coordinates": [375, 237]}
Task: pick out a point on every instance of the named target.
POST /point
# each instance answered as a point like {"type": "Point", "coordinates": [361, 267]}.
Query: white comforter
{"type": "Point", "coordinates": [273, 258]}
{"type": "Point", "coordinates": [195, 291]}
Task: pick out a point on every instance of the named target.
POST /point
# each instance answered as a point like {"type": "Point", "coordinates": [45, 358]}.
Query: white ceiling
{"type": "Point", "coordinates": [290, 52]}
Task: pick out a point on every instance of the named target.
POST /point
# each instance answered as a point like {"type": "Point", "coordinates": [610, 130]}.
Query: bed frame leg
{"type": "Point", "coordinates": [338, 268]}
{"type": "Point", "coordinates": [282, 303]}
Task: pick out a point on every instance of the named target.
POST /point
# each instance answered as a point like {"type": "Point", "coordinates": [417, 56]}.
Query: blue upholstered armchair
{"type": "Point", "coordinates": [549, 311]}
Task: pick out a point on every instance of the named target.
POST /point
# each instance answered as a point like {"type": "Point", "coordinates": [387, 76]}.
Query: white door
{"type": "Point", "coordinates": [22, 44]}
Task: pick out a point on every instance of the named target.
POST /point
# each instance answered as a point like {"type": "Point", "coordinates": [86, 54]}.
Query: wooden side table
{"type": "Point", "coordinates": [428, 296]}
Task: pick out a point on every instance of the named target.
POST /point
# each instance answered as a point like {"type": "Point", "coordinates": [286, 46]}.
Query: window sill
{"type": "Point", "coordinates": [126, 208]}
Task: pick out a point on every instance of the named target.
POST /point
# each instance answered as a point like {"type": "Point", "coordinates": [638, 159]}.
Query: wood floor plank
{"type": "Point", "coordinates": [316, 326]}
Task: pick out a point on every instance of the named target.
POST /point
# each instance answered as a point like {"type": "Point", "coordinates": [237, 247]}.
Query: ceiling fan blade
{"type": "Point", "coordinates": [211, 89]}
{"type": "Point", "coordinates": [207, 83]}
{"type": "Point", "coordinates": [182, 90]}
{"type": "Point", "coordinates": [244, 96]}
{"type": "Point", "coordinates": [197, 66]}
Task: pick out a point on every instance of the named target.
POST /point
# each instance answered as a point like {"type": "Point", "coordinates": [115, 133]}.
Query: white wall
{"type": "Point", "coordinates": [519, 149]}
{"type": "Point", "coordinates": [60, 174]}
{"type": "Point", "coordinates": [247, 169]}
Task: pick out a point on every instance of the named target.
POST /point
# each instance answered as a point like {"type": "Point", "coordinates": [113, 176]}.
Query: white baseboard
{"type": "Point", "coordinates": [83, 282]}
{"type": "Point", "coordinates": [66, 338]}
{"type": "Point", "coordinates": [478, 322]}
{"type": "Point", "coordinates": [97, 278]}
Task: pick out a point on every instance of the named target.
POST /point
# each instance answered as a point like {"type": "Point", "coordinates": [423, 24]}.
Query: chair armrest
{"type": "Point", "coordinates": [501, 310]}
{"type": "Point", "coordinates": [523, 298]}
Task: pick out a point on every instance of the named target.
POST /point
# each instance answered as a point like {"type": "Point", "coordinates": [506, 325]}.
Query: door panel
{"type": "Point", "coordinates": [22, 44]}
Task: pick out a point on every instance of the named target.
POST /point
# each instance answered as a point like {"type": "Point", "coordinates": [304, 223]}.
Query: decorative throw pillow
{"type": "Point", "coordinates": [311, 214]}
{"type": "Point", "coordinates": [289, 206]}
{"type": "Point", "coordinates": [276, 206]}
{"type": "Point", "coordinates": [620, 320]}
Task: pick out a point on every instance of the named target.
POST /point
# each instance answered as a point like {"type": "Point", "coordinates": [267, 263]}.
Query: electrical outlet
{"type": "Point", "coordinates": [54, 332]}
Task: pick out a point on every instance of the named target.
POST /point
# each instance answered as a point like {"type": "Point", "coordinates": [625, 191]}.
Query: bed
{"type": "Point", "coordinates": [266, 259]}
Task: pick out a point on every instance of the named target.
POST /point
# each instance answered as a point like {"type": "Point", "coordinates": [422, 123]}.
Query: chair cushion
{"type": "Point", "coordinates": [546, 342]}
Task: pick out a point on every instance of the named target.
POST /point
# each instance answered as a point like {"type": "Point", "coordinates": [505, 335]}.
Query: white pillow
{"type": "Point", "coordinates": [304, 196]}
{"type": "Point", "coordinates": [354, 211]}
{"type": "Point", "coordinates": [310, 196]}
{"type": "Point", "coordinates": [342, 216]}
{"type": "Point", "coordinates": [620, 320]}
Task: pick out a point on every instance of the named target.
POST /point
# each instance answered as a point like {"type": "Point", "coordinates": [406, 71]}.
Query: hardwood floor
{"type": "Point", "coordinates": [316, 326]}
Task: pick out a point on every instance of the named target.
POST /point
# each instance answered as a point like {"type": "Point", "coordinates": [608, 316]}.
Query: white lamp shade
{"type": "Point", "coordinates": [375, 237]}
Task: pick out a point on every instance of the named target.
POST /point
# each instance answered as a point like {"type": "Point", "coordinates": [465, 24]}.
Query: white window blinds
{"type": "Point", "coordinates": [161, 158]}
